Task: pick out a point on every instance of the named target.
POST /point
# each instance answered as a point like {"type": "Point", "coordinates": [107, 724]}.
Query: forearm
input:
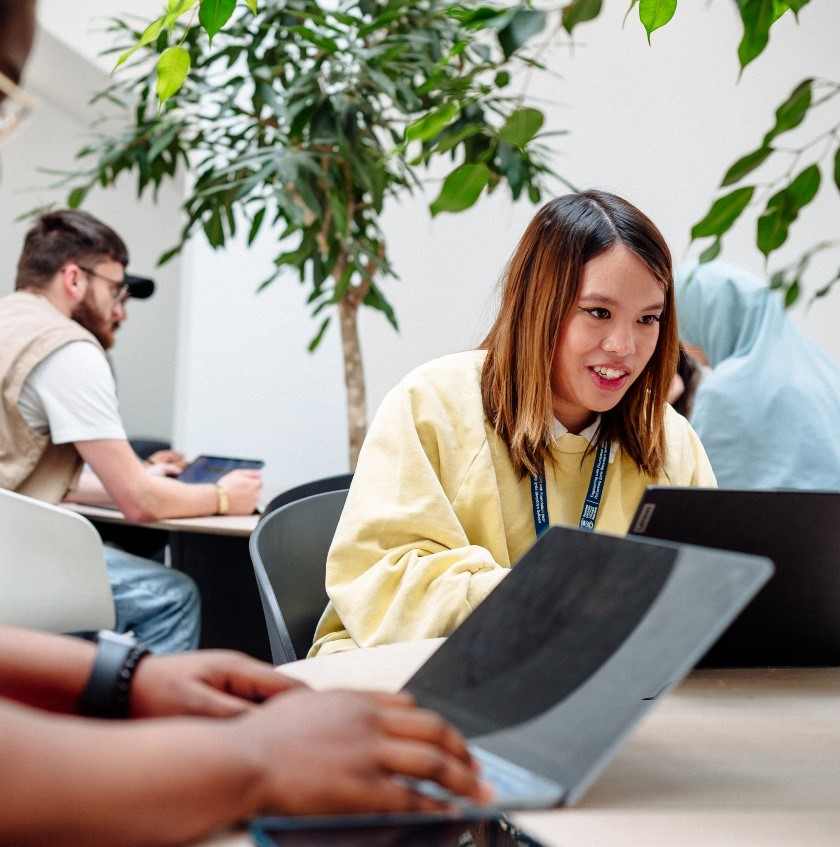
{"type": "Point", "coordinates": [89, 490]}
{"type": "Point", "coordinates": [67, 781]}
{"type": "Point", "coordinates": [43, 670]}
{"type": "Point", "coordinates": [141, 496]}
{"type": "Point", "coordinates": [158, 498]}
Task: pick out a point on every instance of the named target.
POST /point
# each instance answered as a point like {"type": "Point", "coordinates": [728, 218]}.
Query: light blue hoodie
{"type": "Point", "coordinates": [768, 414]}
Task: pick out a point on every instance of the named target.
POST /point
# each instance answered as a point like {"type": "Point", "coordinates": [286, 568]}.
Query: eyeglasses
{"type": "Point", "coordinates": [14, 109]}
{"type": "Point", "coordinates": [120, 290]}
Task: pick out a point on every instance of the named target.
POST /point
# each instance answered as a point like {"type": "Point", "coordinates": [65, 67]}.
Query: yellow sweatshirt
{"type": "Point", "coordinates": [436, 516]}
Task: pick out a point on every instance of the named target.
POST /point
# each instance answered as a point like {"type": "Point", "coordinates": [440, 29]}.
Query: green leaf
{"type": "Point", "coordinates": [524, 25]}
{"type": "Point", "coordinates": [783, 208]}
{"type": "Point", "coordinates": [322, 42]}
{"type": "Point", "coordinates": [796, 5]}
{"type": "Point", "coordinates": [792, 112]}
{"type": "Point", "coordinates": [152, 31]}
{"type": "Point", "coordinates": [376, 300]}
{"type": "Point", "coordinates": [476, 17]}
{"type": "Point", "coordinates": [77, 195]}
{"type": "Point", "coordinates": [461, 189]}
{"type": "Point", "coordinates": [771, 231]}
{"type": "Point", "coordinates": [252, 5]}
{"type": "Point", "coordinates": [724, 212]}
{"type": "Point", "coordinates": [578, 12]}
{"type": "Point", "coordinates": [711, 252]}
{"type": "Point", "coordinates": [430, 125]}
{"type": "Point", "coordinates": [453, 137]}
{"type": "Point", "coordinates": [804, 188]}
{"type": "Point", "coordinates": [320, 334]}
{"type": "Point", "coordinates": [792, 294]}
{"type": "Point", "coordinates": [837, 168]}
{"type": "Point", "coordinates": [172, 69]}
{"type": "Point", "coordinates": [656, 13]}
{"type": "Point", "coordinates": [521, 127]}
{"type": "Point", "coordinates": [757, 17]}
{"type": "Point", "coordinates": [745, 165]}
{"type": "Point", "coordinates": [214, 14]}
{"type": "Point", "coordinates": [776, 281]}
{"type": "Point", "coordinates": [339, 212]}
{"type": "Point", "coordinates": [255, 226]}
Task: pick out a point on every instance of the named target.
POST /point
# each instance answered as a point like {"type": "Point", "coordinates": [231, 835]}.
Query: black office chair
{"type": "Point", "coordinates": [318, 486]}
{"type": "Point", "coordinates": [289, 552]}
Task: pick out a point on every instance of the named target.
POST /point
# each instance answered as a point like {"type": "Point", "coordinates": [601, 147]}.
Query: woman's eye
{"type": "Point", "coordinates": [647, 320]}
{"type": "Point", "coordinates": [599, 313]}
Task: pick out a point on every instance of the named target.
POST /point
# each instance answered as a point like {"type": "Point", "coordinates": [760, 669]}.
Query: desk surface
{"type": "Point", "coordinates": [731, 757]}
{"type": "Point", "coordinates": [233, 525]}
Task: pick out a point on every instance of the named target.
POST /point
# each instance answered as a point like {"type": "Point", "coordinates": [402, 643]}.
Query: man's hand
{"type": "Point", "coordinates": [334, 752]}
{"type": "Point", "coordinates": [243, 488]}
{"type": "Point", "coordinates": [213, 683]}
{"type": "Point", "coordinates": [167, 457]}
{"type": "Point", "coordinates": [162, 469]}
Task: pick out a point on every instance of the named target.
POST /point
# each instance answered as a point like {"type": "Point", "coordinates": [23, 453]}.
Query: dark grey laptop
{"type": "Point", "coordinates": [795, 619]}
{"type": "Point", "coordinates": [551, 672]}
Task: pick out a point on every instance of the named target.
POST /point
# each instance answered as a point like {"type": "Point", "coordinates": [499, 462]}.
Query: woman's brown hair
{"type": "Point", "coordinates": [539, 289]}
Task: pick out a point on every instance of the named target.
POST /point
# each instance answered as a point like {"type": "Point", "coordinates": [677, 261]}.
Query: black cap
{"type": "Point", "coordinates": [140, 287]}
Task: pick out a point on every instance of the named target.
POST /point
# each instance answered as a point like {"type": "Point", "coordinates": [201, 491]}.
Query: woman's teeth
{"type": "Point", "coordinates": [609, 373]}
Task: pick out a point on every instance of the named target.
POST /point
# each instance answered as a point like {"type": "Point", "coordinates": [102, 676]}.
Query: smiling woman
{"type": "Point", "coordinates": [561, 417]}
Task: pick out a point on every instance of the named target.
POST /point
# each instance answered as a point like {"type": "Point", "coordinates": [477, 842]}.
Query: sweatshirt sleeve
{"type": "Point", "coordinates": [401, 566]}
{"type": "Point", "coordinates": [687, 462]}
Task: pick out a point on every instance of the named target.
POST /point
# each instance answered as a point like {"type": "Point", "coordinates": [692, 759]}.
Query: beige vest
{"type": "Point", "coordinates": [30, 329]}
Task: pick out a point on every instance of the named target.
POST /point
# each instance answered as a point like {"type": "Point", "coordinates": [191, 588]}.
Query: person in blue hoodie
{"type": "Point", "coordinates": [768, 411]}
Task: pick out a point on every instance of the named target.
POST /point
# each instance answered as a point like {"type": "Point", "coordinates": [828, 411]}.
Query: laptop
{"type": "Point", "coordinates": [795, 619]}
{"type": "Point", "coordinates": [551, 672]}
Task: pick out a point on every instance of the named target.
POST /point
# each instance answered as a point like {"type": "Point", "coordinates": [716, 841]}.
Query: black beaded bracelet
{"type": "Point", "coordinates": [108, 690]}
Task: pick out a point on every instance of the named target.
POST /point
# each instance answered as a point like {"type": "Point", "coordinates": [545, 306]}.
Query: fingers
{"type": "Point", "coordinates": [245, 677]}
{"type": "Point", "coordinates": [258, 684]}
{"type": "Point", "coordinates": [425, 725]}
{"type": "Point", "coordinates": [429, 762]}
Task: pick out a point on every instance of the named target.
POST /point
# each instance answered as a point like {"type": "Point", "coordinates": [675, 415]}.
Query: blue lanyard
{"type": "Point", "coordinates": [590, 504]}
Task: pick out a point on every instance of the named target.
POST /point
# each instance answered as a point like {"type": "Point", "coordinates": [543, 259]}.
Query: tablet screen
{"type": "Point", "coordinates": [479, 829]}
{"type": "Point", "coordinates": [213, 468]}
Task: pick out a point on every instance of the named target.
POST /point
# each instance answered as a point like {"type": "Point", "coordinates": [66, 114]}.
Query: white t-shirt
{"type": "Point", "coordinates": [71, 396]}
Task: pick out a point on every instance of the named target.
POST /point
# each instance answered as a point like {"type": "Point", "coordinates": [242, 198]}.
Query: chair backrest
{"type": "Point", "coordinates": [52, 568]}
{"type": "Point", "coordinates": [318, 486]}
{"type": "Point", "coordinates": [289, 550]}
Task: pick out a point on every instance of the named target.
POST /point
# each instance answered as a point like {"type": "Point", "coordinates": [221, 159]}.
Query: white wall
{"type": "Point", "coordinates": [657, 124]}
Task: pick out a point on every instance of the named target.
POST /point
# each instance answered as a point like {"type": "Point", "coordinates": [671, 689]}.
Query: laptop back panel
{"type": "Point", "coordinates": [794, 620]}
{"type": "Point", "coordinates": [564, 657]}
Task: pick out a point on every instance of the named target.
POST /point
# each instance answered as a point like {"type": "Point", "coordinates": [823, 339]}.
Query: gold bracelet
{"type": "Point", "coordinates": [222, 500]}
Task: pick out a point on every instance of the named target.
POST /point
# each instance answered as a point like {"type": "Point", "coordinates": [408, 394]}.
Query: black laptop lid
{"type": "Point", "coordinates": [795, 619]}
{"type": "Point", "coordinates": [559, 662]}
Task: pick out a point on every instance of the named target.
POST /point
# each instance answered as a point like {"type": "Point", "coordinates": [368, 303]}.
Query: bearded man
{"type": "Point", "coordinates": [59, 411]}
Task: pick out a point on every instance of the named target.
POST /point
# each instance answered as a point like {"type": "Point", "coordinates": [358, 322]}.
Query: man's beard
{"type": "Point", "coordinates": [91, 319]}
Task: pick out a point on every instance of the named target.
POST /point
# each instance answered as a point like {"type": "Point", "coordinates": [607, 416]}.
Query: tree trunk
{"type": "Point", "coordinates": [354, 375]}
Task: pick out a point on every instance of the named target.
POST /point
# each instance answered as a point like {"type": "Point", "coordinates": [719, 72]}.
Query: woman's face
{"type": "Point", "coordinates": [607, 339]}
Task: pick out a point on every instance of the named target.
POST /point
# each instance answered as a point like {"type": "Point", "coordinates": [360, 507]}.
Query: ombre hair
{"type": "Point", "coordinates": [540, 288]}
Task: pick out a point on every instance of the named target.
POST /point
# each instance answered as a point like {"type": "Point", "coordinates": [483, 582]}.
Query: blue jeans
{"type": "Point", "coordinates": [159, 605]}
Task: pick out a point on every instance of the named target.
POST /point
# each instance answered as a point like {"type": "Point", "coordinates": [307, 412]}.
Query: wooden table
{"type": "Point", "coordinates": [214, 552]}
{"type": "Point", "coordinates": [731, 758]}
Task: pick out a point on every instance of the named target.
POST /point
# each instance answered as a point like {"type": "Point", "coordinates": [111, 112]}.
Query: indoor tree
{"type": "Point", "coordinates": [791, 176]}
{"type": "Point", "coordinates": [307, 117]}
